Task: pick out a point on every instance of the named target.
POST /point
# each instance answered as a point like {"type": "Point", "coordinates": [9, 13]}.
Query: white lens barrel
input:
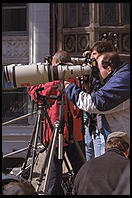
{"type": "Point", "coordinates": [73, 71]}
{"type": "Point", "coordinates": [27, 75]}
{"type": "Point", "coordinates": [34, 74]}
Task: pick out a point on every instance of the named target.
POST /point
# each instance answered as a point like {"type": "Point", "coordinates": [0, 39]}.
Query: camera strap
{"type": "Point", "coordinates": [70, 121]}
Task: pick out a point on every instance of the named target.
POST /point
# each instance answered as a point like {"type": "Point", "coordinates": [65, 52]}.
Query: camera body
{"type": "Point", "coordinates": [87, 61]}
{"type": "Point", "coordinates": [93, 78]}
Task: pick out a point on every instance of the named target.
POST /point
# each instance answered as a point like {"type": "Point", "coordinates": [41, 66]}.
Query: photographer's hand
{"type": "Point", "coordinates": [86, 53]}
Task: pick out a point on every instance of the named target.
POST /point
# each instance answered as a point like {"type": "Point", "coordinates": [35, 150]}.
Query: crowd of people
{"type": "Point", "coordinates": [112, 101]}
{"type": "Point", "coordinates": [101, 160]}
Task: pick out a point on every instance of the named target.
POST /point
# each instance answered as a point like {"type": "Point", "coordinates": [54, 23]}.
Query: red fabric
{"type": "Point", "coordinates": [53, 111]}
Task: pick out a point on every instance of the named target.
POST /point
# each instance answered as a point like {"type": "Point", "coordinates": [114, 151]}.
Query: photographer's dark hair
{"type": "Point", "coordinates": [117, 142]}
{"type": "Point", "coordinates": [111, 59]}
{"type": "Point", "coordinates": [103, 46]}
{"type": "Point", "coordinates": [62, 56]}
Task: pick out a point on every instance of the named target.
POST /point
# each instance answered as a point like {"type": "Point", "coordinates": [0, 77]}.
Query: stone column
{"type": "Point", "coordinates": [60, 26]}
{"type": "Point", "coordinates": [39, 36]}
{"type": "Point", "coordinates": [39, 31]}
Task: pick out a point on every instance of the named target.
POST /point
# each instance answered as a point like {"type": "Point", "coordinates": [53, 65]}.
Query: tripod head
{"type": "Point", "coordinates": [40, 97]}
{"type": "Point", "coordinates": [43, 99]}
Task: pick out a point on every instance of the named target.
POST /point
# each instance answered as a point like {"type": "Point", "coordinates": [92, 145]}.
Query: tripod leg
{"type": "Point", "coordinates": [67, 165]}
{"type": "Point", "coordinates": [35, 143]}
{"type": "Point", "coordinates": [48, 152]}
{"type": "Point", "coordinates": [49, 121]}
{"type": "Point", "coordinates": [44, 165]}
{"type": "Point", "coordinates": [51, 156]}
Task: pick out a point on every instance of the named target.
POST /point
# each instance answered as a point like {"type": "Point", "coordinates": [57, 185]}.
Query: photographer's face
{"type": "Point", "coordinates": [94, 54]}
{"type": "Point", "coordinates": [102, 72]}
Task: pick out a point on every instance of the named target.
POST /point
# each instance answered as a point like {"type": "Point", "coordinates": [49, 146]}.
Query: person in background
{"type": "Point", "coordinates": [16, 185]}
{"type": "Point", "coordinates": [95, 135]}
{"type": "Point", "coordinates": [100, 176]}
{"type": "Point", "coordinates": [70, 133]}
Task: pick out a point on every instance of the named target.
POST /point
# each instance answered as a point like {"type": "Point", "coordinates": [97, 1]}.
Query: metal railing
{"type": "Point", "coordinates": [11, 121]}
{"type": "Point", "coordinates": [19, 118]}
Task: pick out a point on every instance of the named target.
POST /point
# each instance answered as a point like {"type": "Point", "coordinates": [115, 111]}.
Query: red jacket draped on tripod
{"type": "Point", "coordinates": [53, 111]}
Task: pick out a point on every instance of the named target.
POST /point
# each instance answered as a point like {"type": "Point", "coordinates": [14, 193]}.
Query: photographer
{"type": "Point", "coordinates": [52, 88]}
{"type": "Point", "coordinates": [113, 98]}
{"type": "Point", "coordinates": [94, 139]}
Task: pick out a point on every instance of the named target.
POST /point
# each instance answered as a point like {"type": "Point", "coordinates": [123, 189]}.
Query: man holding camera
{"type": "Point", "coordinates": [94, 139]}
{"type": "Point", "coordinates": [69, 135]}
{"type": "Point", "coordinates": [113, 98]}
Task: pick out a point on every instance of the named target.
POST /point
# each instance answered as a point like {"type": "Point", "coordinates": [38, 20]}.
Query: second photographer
{"type": "Point", "coordinates": [50, 88]}
{"type": "Point", "coordinates": [95, 131]}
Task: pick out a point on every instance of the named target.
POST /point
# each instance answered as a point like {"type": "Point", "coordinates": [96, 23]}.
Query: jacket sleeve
{"type": "Point", "coordinates": [32, 92]}
{"type": "Point", "coordinates": [49, 89]}
{"type": "Point", "coordinates": [72, 92]}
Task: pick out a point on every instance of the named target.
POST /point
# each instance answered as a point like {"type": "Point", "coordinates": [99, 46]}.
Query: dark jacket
{"type": "Point", "coordinates": [100, 176]}
{"type": "Point", "coordinates": [123, 187]}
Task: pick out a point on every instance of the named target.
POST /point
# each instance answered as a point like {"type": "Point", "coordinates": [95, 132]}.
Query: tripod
{"type": "Point", "coordinates": [41, 113]}
{"type": "Point", "coordinates": [57, 133]}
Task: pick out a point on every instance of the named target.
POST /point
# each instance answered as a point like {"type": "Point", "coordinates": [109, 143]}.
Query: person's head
{"type": "Point", "coordinates": [61, 56]}
{"type": "Point", "coordinates": [107, 62]}
{"type": "Point", "coordinates": [118, 140]}
{"type": "Point", "coordinates": [101, 47]}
